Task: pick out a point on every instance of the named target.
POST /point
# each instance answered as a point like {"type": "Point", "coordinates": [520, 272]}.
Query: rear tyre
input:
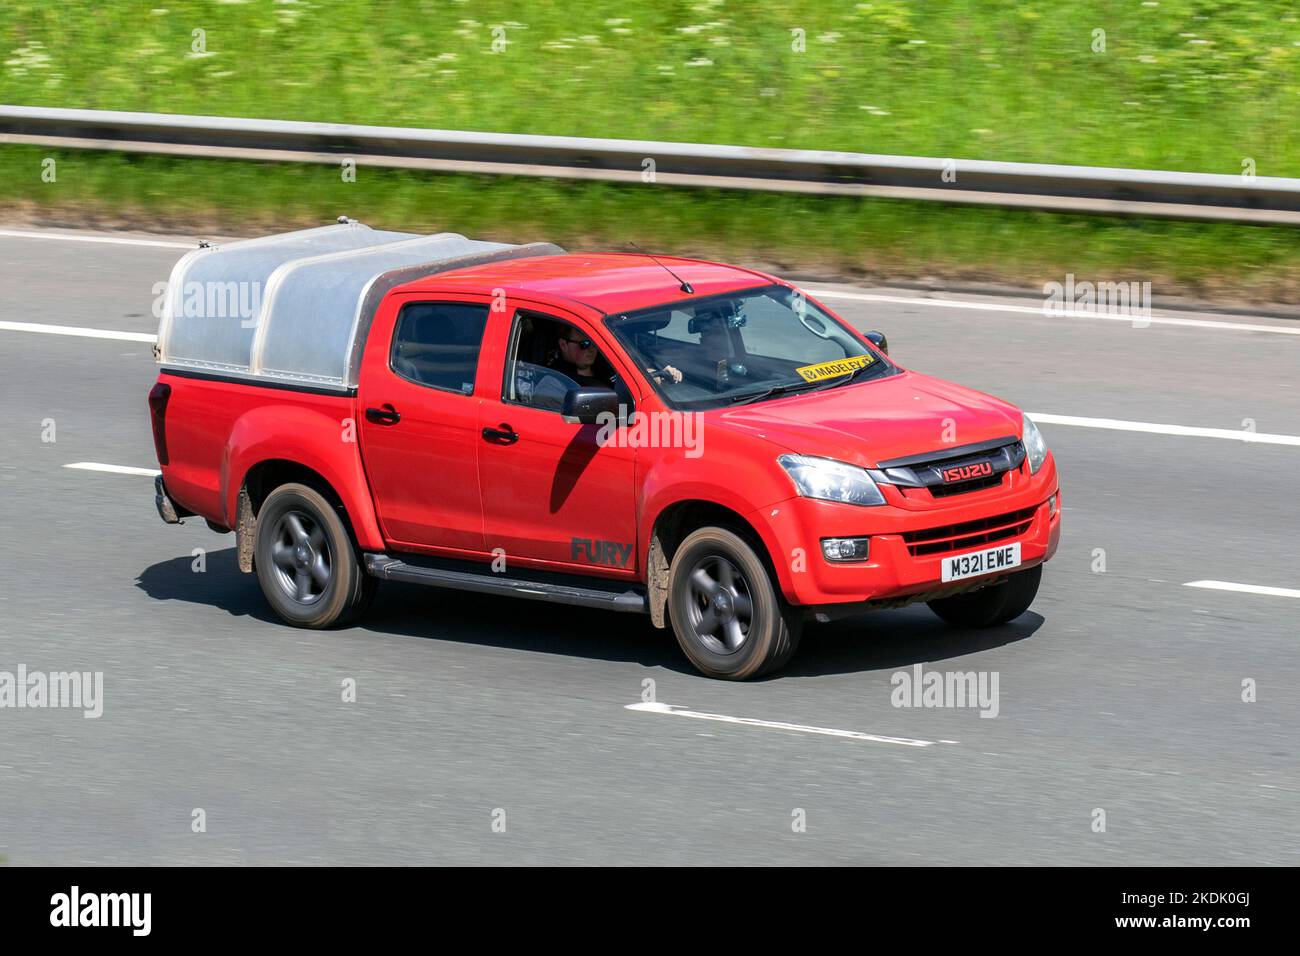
{"type": "Point", "coordinates": [305, 560]}
{"type": "Point", "coordinates": [991, 606]}
{"type": "Point", "coordinates": [730, 621]}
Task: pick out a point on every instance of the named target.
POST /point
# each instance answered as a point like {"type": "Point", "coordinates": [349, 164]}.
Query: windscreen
{"type": "Point", "coordinates": [744, 346]}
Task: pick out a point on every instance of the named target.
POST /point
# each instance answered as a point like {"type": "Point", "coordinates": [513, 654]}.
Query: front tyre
{"type": "Point", "coordinates": [728, 617]}
{"type": "Point", "coordinates": [305, 561]}
{"type": "Point", "coordinates": [991, 606]}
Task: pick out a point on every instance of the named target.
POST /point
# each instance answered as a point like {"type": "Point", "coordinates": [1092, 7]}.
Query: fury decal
{"type": "Point", "coordinates": [595, 551]}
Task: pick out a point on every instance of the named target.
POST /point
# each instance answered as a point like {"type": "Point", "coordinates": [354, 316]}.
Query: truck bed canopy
{"type": "Point", "coordinates": [296, 307]}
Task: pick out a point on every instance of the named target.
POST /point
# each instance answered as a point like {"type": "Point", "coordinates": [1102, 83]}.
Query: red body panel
{"type": "Point", "coordinates": [423, 470]}
{"type": "Point", "coordinates": [875, 421]}
{"type": "Point", "coordinates": [891, 570]}
{"type": "Point", "coordinates": [218, 430]}
{"type": "Point", "coordinates": [557, 498]}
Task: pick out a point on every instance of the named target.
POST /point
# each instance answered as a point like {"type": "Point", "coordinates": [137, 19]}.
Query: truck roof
{"type": "Point", "coordinates": [610, 282]}
{"type": "Point", "coordinates": [296, 307]}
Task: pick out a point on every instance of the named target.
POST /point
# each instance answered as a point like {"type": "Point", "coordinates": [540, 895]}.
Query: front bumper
{"type": "Point", "coordinates": [903, 561]}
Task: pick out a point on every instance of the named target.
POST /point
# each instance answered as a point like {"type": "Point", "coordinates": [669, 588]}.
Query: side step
{"type": "Point", "coordinates": [540, 586]}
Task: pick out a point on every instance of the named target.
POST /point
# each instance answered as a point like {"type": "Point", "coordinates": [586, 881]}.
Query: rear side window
{"type": "Point", "coordinates": [437, 344]}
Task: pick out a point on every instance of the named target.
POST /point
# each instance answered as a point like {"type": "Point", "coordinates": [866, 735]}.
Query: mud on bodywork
{"type": "Point", "coordinates": [245, 531]}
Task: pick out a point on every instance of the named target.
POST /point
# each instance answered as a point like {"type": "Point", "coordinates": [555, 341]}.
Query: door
{"type": "Point", "coordinates": [553, 492]}
{"type": "Point", "coordinates": [419, 421]}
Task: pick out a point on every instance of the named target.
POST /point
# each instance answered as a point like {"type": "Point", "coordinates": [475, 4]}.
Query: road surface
{"type": "Point", "coordinates": [499, 731]}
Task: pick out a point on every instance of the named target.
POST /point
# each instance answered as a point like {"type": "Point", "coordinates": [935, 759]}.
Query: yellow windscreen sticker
{"type": "Point", "coordinates": [816, 373]}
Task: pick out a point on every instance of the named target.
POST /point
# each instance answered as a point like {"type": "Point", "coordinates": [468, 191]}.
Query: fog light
{"type": "Point", "coordinates": [845, 549]}
{"type": "Point", "coordinates": [1051, 506]}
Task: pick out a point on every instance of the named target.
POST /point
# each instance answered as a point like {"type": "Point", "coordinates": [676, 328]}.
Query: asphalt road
{"type": "Point", "coordinates": [1120, 691]}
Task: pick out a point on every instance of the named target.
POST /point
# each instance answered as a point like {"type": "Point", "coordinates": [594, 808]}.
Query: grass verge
{"type": "Point", "coordinates": [873, 239]}
{"type": "Point", "coordinates": [1201, 85]}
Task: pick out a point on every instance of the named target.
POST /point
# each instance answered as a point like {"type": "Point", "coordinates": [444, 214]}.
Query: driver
{"type": "Point", "coordinates": [577, 358]}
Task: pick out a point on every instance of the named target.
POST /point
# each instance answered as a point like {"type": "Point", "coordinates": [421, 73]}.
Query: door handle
{"type": "Point", "coordinates": [502, 435]}
{"type": "Point", "coordinates": [383, 415]}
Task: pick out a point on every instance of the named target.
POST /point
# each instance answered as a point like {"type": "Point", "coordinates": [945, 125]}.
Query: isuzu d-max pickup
{"type": "Point", "coordinates": [698, 442]}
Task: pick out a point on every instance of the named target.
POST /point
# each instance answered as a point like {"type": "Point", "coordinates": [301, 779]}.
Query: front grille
{"type": "Point", "coordinates": [927, 471]}
{"type": "Point", "coordinates": [961, 487]}
{"type": "Point", "coordinates": [968, 534]}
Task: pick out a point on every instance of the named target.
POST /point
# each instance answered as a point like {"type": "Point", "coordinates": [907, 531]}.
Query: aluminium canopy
{"type": "Point", "coordinates": [296, 307]}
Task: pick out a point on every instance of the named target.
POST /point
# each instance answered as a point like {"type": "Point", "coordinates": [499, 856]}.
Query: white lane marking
{"type": "Point", "coordinates": [113, 469]}
{"type": "Point", "coordinates": [1244, 588]}
{"type": "Point", "coordinates": [110, 240]}
{"type": "Point", "coordinates": [78, 331]}
{"type": "Point", "coordinates": [1155, 428]}
{"type": "Point", "coordinates": [1038, 310]}
{"type": "Point", "coordinates": [656, 708]}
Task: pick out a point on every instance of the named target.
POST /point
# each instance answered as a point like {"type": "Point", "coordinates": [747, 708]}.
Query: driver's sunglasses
{"type": "Point", "coordinates": [581, 343]}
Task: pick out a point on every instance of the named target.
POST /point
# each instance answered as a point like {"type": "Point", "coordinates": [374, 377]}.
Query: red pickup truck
{"type": "Point", "coordinates": [698, 442]}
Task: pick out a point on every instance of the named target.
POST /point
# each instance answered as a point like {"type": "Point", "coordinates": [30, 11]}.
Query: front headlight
{"type": "Point", "coordinates": [830, 480]}
{"type": "Point", "coordinates": [1035, 447]}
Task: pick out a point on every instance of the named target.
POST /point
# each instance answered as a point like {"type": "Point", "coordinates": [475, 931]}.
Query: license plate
{"type": "Point", "coordinates": [960, 566]}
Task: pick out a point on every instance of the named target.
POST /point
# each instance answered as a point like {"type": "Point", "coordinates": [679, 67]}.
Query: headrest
{"type": "Point", "coordinates": [651, 322]}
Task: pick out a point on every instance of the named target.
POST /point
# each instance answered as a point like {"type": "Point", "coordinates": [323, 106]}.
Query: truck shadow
{"type": "Point", "coordinates": [868, 642]}
{"type": "Point", "coordinates": [886, 640]}
{"type": "Point", "coordinates": [221, 585]}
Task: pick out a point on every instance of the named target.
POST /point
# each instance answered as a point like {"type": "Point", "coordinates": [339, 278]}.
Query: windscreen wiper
{"type": "Point", "coordinates": [846, 379]}
{"type": "Point", "coordinates": [783, 389]}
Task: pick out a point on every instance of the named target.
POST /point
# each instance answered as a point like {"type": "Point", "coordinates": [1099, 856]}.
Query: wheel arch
{"type": "Point", "coordinates": [264, 477]}
{"type": "Point", "coordinates": [274, 444]}
{"type": "Point", "coordinates": [673, 524]}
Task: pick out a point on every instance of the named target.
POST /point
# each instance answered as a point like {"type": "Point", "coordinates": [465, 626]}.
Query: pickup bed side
{"type": "Point", "coordinates": [220, 431]}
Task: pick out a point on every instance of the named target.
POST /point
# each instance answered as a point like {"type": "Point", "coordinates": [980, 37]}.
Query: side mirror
{"type": "Point", "coordinates": [879, 341]}
{"type": "Point", "coordinates": [584, 406]}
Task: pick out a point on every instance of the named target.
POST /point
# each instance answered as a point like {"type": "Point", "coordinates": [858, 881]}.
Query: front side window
{"type": "Point", "coordinates": [744, 346]}
{"type": "Point", "coordinates": [549, 357]}
{"type": "Point", "coordinates": [437, 344]}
